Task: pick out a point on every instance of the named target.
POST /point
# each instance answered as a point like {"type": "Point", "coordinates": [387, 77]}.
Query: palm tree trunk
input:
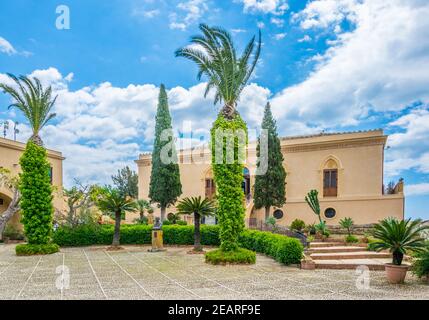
{"type": "Point", "coordinates": [228, 111]}
{"type": "Point", "coordinates": [397, 258]}
{"type": "Point", "coordinates": [162, 214]}
{"type": "Point", "coordinates": [197, 233]}
{"type": "Point", "coordinates": [141, 215]}
{"type": "Point", "coordinates": [37, 140]}
{"type": "Point", "coordinates": [267, 212]}
{"type": "Point", "coordinates": [117, 233]}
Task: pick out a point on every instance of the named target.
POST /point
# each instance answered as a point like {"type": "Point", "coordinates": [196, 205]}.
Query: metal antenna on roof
{"type": "Point", "coordinates": [15, 130]}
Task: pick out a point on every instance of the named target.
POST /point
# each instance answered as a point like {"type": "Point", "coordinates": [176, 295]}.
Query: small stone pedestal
{"type": "Point", "coordinates": [157, 237]}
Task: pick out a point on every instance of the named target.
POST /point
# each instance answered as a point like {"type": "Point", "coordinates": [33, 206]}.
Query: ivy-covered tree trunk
{"type": "Point", "coordinates": [117, 231]}
{"type": "Point", "coordinates": [36, 195]}
{"type": "Point", "coordinates": [228, 176]}
{"type": "Point", "coordinates": [197, 232]}
{"type": "Point", "coordinates": [270, 178]}
{"type": "Point", "coordinates": [165, 186]}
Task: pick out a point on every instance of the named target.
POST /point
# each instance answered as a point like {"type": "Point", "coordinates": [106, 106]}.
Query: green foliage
{"type": "Point", "coordinates": [238, 256]}
{"type": "Point", "coordinates": [173, 217]}
{"type": "Point", "coordinates": [313, 201]}
{"type": "Point", "coordinates": [311, 229]}
{"type": "Point", "coordinates": [271, 221]}
{"type": "Point", "coordinates": [36, 249]}
{"type": "Point", "coordinates": [399, 237]}
{"type": "Point", "coordinates": [322, 229]}
{"type": "Point", "coordinates": [351, 239]}
{"type": "Point", "coordinates": [347, 223]}
{"type": "Point", "coordinates": [126, 181]}
{"type": "Point", "coordinates": [310, 238]}
{"type": "Point", "coordinates": [143, 220]}
{"type": "Point", "coordinates": [165, 186]}
{"type": "Point", "coordinates": [36, 194]}
{"type": "Point", "coordinates": [166, 223]}
{"type": "Point", "coordinates": [283, 249]}
{"type": "Point", "coordinates": [33, 101]}
{"type": "Point", "coordinates": [133, 234]}
{"type": "Point", "coordinates": [228, 178]}
{"type": "Point", "coordinates": [217, 59]}
{"type": "Point", "coordinates": [181, 223]}
{"type": "Point", "coordinates": [421, 263]}
{"type": "Point", "coordinates": [13, 233]}
{"type": "Point", "coordinates": [297, 225]}
{"type": "Point", "coordinates": [270, 185]}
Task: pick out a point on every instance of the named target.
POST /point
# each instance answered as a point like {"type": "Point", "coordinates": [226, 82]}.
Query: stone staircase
{"type": "Point", "coordinates": [331, 255]}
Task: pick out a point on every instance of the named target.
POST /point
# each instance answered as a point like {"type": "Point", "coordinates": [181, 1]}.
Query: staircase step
{"type": "Point", "coordinates": [335, 249]}
{"type": "Point", "coordinates": [350, 255]}
{"type": "Point", "coordinates": [372, 264]}
{"type": "Point", "coordinates": [325, 244]}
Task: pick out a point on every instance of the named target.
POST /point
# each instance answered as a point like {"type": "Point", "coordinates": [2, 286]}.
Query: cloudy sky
{"type": "Point", "coordinates": [332, 65]}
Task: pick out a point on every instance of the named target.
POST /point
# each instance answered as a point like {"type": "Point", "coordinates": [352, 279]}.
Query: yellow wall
{"type": "Point", "coordinates": [358, 156]}
{"type": "Point", "coordinates": [10, 152]}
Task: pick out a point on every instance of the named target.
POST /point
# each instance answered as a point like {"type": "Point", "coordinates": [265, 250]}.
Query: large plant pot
{"type": "Point", "coordinates": [396, 274]}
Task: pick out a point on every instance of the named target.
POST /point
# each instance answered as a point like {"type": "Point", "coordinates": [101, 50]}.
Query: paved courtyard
{"type": "Point", "coordinates": [135, 273]}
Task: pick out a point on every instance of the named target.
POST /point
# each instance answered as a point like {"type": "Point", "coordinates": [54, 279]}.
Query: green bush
{"type": "Point", "coordinates": [351, 239]}
{"type": "Point", "coordinates": [421, 264]}
{"type": "Point", "coordinates": [132, 234]}
{"type": "Point", "coordinates": [228, 178]}
{"type": "Point", "coordinates": [238, 256]}
{"type": "Point", "coordinates": [36, 191]}
{"type": "Point", "coordinates": [166, 223]}
{"type": "Point", "coordinates": [181, 223]}
{"type": "Point", "coordinates": [36, 249]}
{"type": "Point", "coordinates": [283, 249]}
{"type": "Point", "coordinates": [297, 225]}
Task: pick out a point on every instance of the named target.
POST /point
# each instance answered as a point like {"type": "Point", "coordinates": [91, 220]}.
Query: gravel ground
{"type": "Point", "coordinates": [134, 273]}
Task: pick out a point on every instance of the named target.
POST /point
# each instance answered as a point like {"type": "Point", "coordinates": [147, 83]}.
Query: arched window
{"type": "Point", "coordinates": [330, 178]}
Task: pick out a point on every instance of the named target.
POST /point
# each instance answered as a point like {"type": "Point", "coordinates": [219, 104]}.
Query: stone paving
{"type": "Point", "coordinates": [134, 273]}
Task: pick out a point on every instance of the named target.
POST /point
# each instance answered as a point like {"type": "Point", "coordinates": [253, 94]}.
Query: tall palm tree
{"type": "Point", "coordinates": [199, 208]}
{"type": "Point", "coordinates": [112, 202]}
{"type": "Point", "coordinates": [216, 57]}
{"type": "Point", "coordinates": [34, 101]}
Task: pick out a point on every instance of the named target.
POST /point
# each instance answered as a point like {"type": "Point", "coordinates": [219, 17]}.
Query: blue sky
{"type": "Point", "coordinates": [333, 65]}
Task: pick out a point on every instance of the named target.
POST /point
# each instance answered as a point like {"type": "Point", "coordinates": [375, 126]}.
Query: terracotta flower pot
{"type": "Point", "coordinates": [396, 274]}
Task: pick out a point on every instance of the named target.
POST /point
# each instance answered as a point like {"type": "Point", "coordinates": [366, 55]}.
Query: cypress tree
{"type": "Point", "coordinates": [270, 186]}
{"type": "Point", "coordinates": [165, 186]}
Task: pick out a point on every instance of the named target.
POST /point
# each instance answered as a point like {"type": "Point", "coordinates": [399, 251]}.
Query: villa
{"type": "Point", "coordinates": [10, 152]}
{"type": "Point", "coordinates": [346, 168]}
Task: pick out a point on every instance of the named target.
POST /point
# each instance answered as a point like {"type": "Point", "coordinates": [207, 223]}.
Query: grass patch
{"type": "Point", "coordinates": [36, 249]}
{"type": "Point", "coordinates": [239, 256]}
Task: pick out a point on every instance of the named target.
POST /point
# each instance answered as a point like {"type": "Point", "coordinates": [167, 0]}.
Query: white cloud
{"type": "Point", "coordinates": [278, 22]}
{"type": "Point", "coordinates": [373, 67]}
{"type": "Point", "coordinates": [305, 38]}
{"type": "Point", "coordinates": [417, 189]}
{"type": "Point", "coordinates": [277, 7]}
{"type": "Point", "coordinates": [193, 10]}
{"type": "Point", "coordinates": [6, 47]}
{"type": "Point", "coordinates": [279, 36]}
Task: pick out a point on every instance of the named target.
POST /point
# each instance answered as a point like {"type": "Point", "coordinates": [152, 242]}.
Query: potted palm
{"type": "Point", "coordinates": [198, 207]}
{"type": "Point", "coordinates": [398, 237]}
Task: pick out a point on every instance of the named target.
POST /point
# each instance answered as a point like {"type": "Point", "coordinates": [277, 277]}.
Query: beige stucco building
{"type": "Point", "coordinates": [10, 152]}
{"type": "Point", "coordinates": [346, 169]}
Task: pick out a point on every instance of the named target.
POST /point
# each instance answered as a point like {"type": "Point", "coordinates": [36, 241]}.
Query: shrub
{"type": "Point", "coordinates": [421, 264]}
{"type": "Point", "coordinates": [36, 249]}
{"type": "Point", "coordinates": [36, 190]}
{"type": "Point", "coordinates": [132, 234]}
{"type": "Point", "coordinates": [351, 239]}
{"type": "Point", "coordinates": [228, 178]}
{"type": "Point", "coordinates": [182, 223]}
{"type": "Point", "coordinates": [297, 225]}
{"type": "Point", "coordinates": [166, 223]}
{"type": "Point", "coordinates": [311, 229]}
{"type": "Point", "coordinates": [283, 249]}
{"type": "Point", "coordinates": [238, 256]}
{"type": "Point", "coordinates": [310, 238]}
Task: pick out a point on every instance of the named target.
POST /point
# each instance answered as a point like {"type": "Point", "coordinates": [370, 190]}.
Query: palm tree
{"type": "Point", "coordinates": [112, 202]}
{"type": "Point", "coordinates": [216, 57]}
{"type": "Point", "coordinates": [399, 237]}
{"type": "Point", "coordinates": [34, 101]}
{"type": "Point", "coordinates": [347, 223]}
{"type": "Point", "coordinates": [143, 206]}
{"type": "Point", "coordinates": [199, 208]}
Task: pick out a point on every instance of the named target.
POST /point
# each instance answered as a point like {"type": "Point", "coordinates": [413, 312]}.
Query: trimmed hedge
{"type": "Point", "coordinates": [283, 249]}
{"type": "Point", "coordinates": [88, 235]}
{"type": "Point", "coordinates": [239, 256]}
{"type": "Point", "coordinates": [36, 249]}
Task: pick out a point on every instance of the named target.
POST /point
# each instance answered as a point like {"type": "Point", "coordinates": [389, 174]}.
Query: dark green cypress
{"type": "Point", "coordinates": [270, 188]}
{"type": "Point", "coordinates": [165, 186]}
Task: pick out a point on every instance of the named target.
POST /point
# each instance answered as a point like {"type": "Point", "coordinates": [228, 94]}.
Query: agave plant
{"type": "Point", "coordinates": [34, 101]}
{"type": "Point", "coordinates": [399, 237]}
{"type": "Point", "coordinates": [347, 223]}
